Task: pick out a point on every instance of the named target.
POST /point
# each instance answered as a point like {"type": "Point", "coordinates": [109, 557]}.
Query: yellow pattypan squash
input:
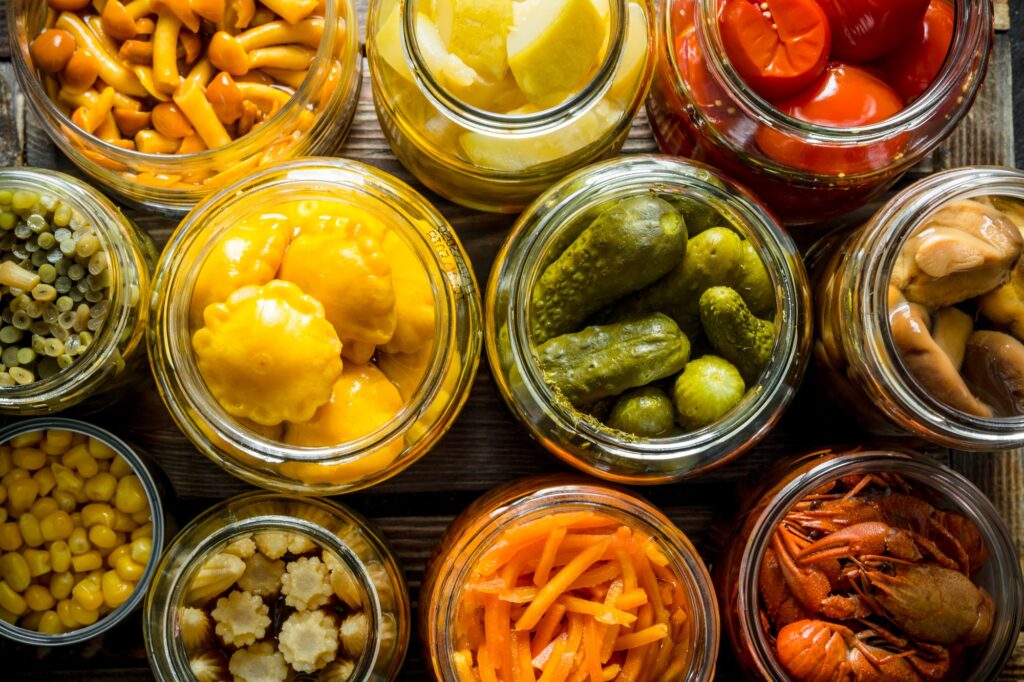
{"type": "Point", "coordinates": [414, 298]}
{"type": "Point", "coordinates": [249, 253]}
{"type": "Point", "coordinates": [316, 216]}
{"type": "Point", "coordinates": [268, 354]}
{"type": "Point", "coordinates": [346, 271]}
{"type": "Point", "coordinates": [406, 370]}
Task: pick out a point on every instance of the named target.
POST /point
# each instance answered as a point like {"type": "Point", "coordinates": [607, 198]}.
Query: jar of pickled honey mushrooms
{"type": "Point", "coordinates": [488, 103]}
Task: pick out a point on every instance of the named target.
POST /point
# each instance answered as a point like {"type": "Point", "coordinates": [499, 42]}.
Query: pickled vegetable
{"type": "Point", "coordinates": [706, 391]}
{"type": "Point", "coordinates": [735, 333]}
{"type": "Point", "coordinates": [644, 411]}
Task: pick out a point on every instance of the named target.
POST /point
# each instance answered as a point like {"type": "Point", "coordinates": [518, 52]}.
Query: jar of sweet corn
{"type": "Point", "coordinates": [165, 102]}
{"type": "Point", "coordinates": [81, 534]}
{"type": "Point", "coordinates": [267, 586]}
{"type": "Point", "coordinates": [489, 103]}
{"type": "Point", "coordinates": [317, 327]}
{"type": "Point", "coordinates": [74, 279]}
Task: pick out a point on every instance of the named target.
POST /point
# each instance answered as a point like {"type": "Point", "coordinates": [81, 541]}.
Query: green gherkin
{"type": "Point", "coordinates": [735, 333]}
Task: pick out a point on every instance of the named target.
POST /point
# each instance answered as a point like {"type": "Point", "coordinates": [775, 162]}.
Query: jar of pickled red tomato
{"type": "Point", "coordinates": [304, 239]}
{"type": "Point", "coordinates": [304, 108]}
{"type": "Point", "coordinates": [702, 107]}
{"type": "Point", "coordinates": [492, 136]}
{"type": "Point", "coordinates": [863, 360]}
{"type": "Point", "coordinates": [596, 547]}
{"type": "Point", "coordinates": [313, 563]}
{"type": "Point", "coordinates": [792, 481]}
{"type": "Point", "coordinates": [83, 361]}
{"type": "Point", "coordinates": [711, 203]}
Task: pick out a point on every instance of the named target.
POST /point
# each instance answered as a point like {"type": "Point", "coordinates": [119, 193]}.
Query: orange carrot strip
{"type": "Point", "coordinates": [650, 584]}
{"type": "Point", "coordinates": [611, 672]}
{"type": "Point", "coordinates": [641, 637]}
{"type": "Point", "coordinates": [491, 586]}
{"type": "Point", "coordinates": [498, 635]}
{"type": "Point", "coordinates": [637, 656]}
{"type": "Point", "coordinates": [596, 576]}
{"type": "Point", "coordinates": [545, 631]}
{"type": "Point", "coordinates": [547, 556]}
{"type": "Point", "coordinates": [563, 666]}
{"type": "Point", "coordinates": [523, 657]}
{"type": "Point", "coordinates": [629, 581]}
{"type": "Point", "coordinates": [631, 600]}
{"type": "Point", "coordinates": [666, 594]}
{"type": "Point", "coordinates": [550, 666]}
{"type": "Point", "coordinates": [592, 640]}
{"type": "Point", "coordinates": [463, 661]}
{"type": "Point", "coordinates": [654, 553]}
{"type": "Point", "coordinates": [485, 667]}
{"type": "Point", "coordinates": [536, 530]}
{"type": "Point", "coordinates": [608, 615]}
{"type": "Point", "coordinates": [519, 595]}
{"type": "Point", "coordinates": [557, 585]}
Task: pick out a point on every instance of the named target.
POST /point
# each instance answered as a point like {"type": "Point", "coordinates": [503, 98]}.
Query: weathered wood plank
{"type": "Point", "coordinates": [1002, 15]}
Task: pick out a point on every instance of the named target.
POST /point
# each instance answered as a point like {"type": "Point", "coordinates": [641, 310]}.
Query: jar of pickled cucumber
{"type": "Point", "coordinates": [268, 586]}
{"type": "Point", "coordinates": [317, 327]}
{"type": "Point", "coordinates": [488, 104]}
{"type": "Point", "coordinates": [647, 320]}
{"type": "Point", "coordinates": [74, 280]}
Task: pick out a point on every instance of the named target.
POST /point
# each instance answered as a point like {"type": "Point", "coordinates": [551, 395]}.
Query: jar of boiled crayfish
{"type": "Point", "coordinates": [843, 556]}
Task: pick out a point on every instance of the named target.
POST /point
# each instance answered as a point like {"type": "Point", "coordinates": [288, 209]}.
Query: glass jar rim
{"type": "Point", "coordinates": [875, 258]}
{"type": "Point", "coordinates": [952, 486]}
{"type": "Point", "coordinates": [946, 83]}
{"type": "Point", "coordinates": [149, 486]}
{"type": "Point", "coordinates": [112, 226]}
{"type": "Point", "coordinates": [751, 419]}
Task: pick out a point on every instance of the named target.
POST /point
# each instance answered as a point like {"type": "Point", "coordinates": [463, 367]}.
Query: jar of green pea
{"type": "Point", "coordinates": [74, 282]}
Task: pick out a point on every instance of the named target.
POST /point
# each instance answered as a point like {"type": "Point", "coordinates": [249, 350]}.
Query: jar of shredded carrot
{"type": "Point", "coordinates": [555, 578]}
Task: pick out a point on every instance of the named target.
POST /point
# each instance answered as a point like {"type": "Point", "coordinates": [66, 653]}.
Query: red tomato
{"type": "Point", "coordinates": [863, 30]}
{"type": "Point", "coordinates": [778, 51]}
{"type": "Point", "coordinates": [703, 88]}
{"type": "Point", "coordinates": [912, 68]}
{"type": "Point", "coordinates": [843, 97]}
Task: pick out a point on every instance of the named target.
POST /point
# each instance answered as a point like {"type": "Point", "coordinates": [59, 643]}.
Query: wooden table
{"type": "Point", "coordinates": [487, 447]}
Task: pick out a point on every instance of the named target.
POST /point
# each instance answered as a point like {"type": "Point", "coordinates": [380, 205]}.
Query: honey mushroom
{"type": "Point", "coordinates": [175, 76]}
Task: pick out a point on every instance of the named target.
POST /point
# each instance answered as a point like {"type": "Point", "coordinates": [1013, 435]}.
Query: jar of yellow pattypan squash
{"type": "Point", "coordinates": [317, 327]}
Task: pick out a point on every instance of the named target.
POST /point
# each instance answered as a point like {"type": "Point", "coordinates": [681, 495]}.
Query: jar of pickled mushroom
{"type": "Point", "coordinates": [271, 587]}
{"type": "Point", "coordinates": [74, 279]}
{"type": "Point", "coordinates": [489, 103]}
{"type": "Point", "coordinates": [647, 319]}
{"type": "Point", "coordinates": [317, 327]}
{"type": "Point", "coordinates": [919, 312]}
{"type": "Point", "coordinates": [815, 105]}
{"type": "Point", "coordinates": [878, 565]}
{"type": "Point", "coordinates": [165, 102]}
{"type": "Point", "coordinates": [570, 579]}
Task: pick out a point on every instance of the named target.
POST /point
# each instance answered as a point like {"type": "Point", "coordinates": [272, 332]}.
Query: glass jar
{"type": "Point", "coordinates": [376, 581]}
{"type": "Point", "coordinates": [855, 354]}
{"type": "Point", "coordinates": [314, 121]}
{"type": "Point", "coordinates": [500, 162]}
{"type": "Point", "coordinates": [517, 504]}
{"type": "Point", "coordinates": [538, 237]}
{"type": "Point", "coordinates": [153, 485]}
{"type": "Point", "coordinates": [116, 358]}
{"type": "Point", "coordinates": [789, 482]}
{"type": "Point", "coordinates": [432, 404]}
{"type": "Point", "coordinates": [805, 172]}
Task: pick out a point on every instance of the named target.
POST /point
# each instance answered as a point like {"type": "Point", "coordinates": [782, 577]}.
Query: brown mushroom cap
{"type": "Point", "coordinates": [951, 327]}
{"type": "Point", "coordinates": [994, 367]}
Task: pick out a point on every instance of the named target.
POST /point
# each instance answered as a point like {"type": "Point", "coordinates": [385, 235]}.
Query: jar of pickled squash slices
{"type": "Point", "coordinates": [788, 493]}
{"type": "Point", "coordinates": [74, 288]}
{"type": "Point", "coordinates": [600, 305]}
{"type": "Point", "coordinates": [488, 104]}
{"type": "Point", "coordinates": [913, 340]}
{"type": "Point", "coordinates": [165, 106]}
{"type": "Point", "coordinates": [701, 107]}
{"type": "Point", "coordinates": [560, 574]}
{"type": "Point", "coordinates": [317, 327]}
{"type": "Point", "coordinates": [271, 586]}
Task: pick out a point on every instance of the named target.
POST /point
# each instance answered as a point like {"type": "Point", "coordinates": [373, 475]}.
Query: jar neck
{"type": "Point", "coordinates": [863, 315]}
{"type": "Point", "coordinates": [489, 122]}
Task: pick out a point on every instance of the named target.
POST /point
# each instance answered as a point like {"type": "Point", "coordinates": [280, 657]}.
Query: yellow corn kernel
{"type": "Point", "coordinates": [22, 493]}
{"type": "Point", "coordinates": [46, 480]}
{"type": "Point", "coordinates": [119, 467]}
{"type": "Point", "coordinates": [61, 584]}
{"type": "Point", "coordinates": [124, 523]}
{"type": "Point", "coordinates": [102, 537]}
{"type": "Point", "coordinates": [101, 487]}
{"type": "Point", "coordinates": [50, 624]}
{"type": "Point", "coordinates": [65, 500]}
{"type": "Point", "coordinates": [83, 615]}
{"type": "Point", "coordinates": [116, 590]}
{"type": "Point", "coordinates": [130, 496]}
{"type": "Point", "coordinates": [38, 561]}
{"type": "Point", "coordinates": [88, 593]}
{"type": "Point", "coordinates": [60, 556]}
{"type": "Point", "coordinates": [59, 438]}
{"type": "Point", "coordinates": [98, 514]}
{"type": "Point", "coordinates": [129, 569]}
{"type": "Point", "coordinates": [89, 561]}
{"type": "Point", "coordinates": [30, 621]}
{"type": "Point", "coordinates": [26, 439]}
{"type": "Point", "coordinates": [142, 516]}
{"type": "Point", "coordinates": [117, 553]}
{"type": "Point", "coordinates": [78, 541]}
{"type": "Point", "coordinates": [29, 458]}
{"type": "Point", "coordinates": [13, 475]}
{"type": "Point", "coordinates": [10, 536]}
{"type": "Point", "coordinates": [57, 525]}
{"type": "Point", "coordinates": [14, 571]}
{"type": "Point", "coordinates": [65, 615]}
{"type": "Point", "coordinates": [141, 550]}
{"type": "Point", "coordinates": [79, 459]}
{"type": "Point", "coordinates": [38, 598]}
{"type": "Point", "coordinates": [11, 600]}
{"type": "Point", "coordinates": [100, 450]}
{"type": "Point", "coordinates": [76, 518]}
{"type": "Point", "coordinates": [7, 617]}
{"type": "Point", "coordinates": [30, 532]}
{"type": "Point", "coordinates": [80, 497]}
{"type": "Point", "coordinates": [143, 531]}
{"type": "Point", "coordinates": [5, 460]}
{"type": "Point", "coordinates": [42, 507]}
{"type": "Point", "coordinates": [67, 479]}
